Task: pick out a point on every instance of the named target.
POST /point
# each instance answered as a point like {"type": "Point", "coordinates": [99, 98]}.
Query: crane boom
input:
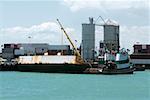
{"type": "Point", "coordinates": [74, 48]}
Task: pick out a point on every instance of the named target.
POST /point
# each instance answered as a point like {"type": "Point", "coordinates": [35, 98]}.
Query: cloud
{"type": "Point", "coordinates": [47, 32]}
{"type": "Point", "coordinates": [131, 35]}
{"type": "Point", "coordinates": [76, 5]}
{"type": "Point", "coordinates": [47, 26]}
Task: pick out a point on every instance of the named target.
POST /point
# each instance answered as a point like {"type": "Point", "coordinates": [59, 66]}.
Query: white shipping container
{"type": "Point", "coordinates": [47, 59]}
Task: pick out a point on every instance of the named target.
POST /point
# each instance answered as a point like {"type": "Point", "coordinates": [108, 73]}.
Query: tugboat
{"type": "Point", "coordinates": [117, 63]}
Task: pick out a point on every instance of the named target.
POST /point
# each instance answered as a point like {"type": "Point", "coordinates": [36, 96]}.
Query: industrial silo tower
{"type": "Point", "coordinates": [111, 35]}
{"type": "Point", "coordinates": [88, 40]}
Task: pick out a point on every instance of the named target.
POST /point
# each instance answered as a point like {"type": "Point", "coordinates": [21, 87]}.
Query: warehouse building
{"type": "Point", "coordinates": [23, 49]}
{"type": "Point", "coordinates": [141, 55]}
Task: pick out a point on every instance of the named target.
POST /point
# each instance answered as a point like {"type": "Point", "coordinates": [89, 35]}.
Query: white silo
{"type": "Point", "coordinates": [88, 40]}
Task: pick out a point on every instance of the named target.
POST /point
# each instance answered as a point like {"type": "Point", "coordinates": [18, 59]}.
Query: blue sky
{"type": "Point", "coordinates": [37, 18]}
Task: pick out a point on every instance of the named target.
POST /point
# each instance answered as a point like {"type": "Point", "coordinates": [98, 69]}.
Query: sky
{"type": "Point", "coordinates": [20, 19]}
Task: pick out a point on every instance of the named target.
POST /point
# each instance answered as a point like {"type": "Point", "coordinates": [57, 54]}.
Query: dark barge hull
{"type": "Point", "coordinates": [8, 68]}
{"type": "Point", "coordinates": [118, 71]}
{"type": "Point", "coordinates": [54, 68]}
{"type": "Point", "coordinates": [139, 68]}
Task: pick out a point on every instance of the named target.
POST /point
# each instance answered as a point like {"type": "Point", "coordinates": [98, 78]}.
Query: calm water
{"type": "Point", "coordinates": [45, 86]}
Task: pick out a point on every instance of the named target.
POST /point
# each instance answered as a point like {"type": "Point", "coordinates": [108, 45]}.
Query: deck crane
{"type": "Point", "coordinates": [79, 60]}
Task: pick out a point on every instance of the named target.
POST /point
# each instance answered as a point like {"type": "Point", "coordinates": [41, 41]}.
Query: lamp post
{"type": "Point", "coordinates": [29, 37]}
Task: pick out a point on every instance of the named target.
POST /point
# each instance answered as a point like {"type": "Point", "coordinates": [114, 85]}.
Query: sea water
{"type": "Point", "coordinates": [48, 86]}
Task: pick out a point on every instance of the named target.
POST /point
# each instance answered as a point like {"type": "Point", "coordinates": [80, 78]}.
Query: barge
{"type": "Point", "coordinates": [52, 64]}
{"type": "Point", "coordinates": [54, 68]}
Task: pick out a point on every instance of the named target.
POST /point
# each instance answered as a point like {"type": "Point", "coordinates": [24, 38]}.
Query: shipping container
{"type": "Point", "coordinates": [29, 51]}
{"type": "Point", "coordinates": [34, 48]}
{"type": "Point", "coordinates": [11, 45]}
{"type": "Point", "coordinates": [19, 52]}
{"type": "Point", "coordinates": [63, 52]}
{"type": "Point", "coordinates": [58, 47]}
{"type": "Point", "coordinates": [141, 48]}
{"type": "Point", "coordinates": [40, 50]}
{"type": "Point", "coordinates": [7, 45]}
{"type": "Point", "coordinates": [8, 50]}
{"type": "Point", "coordinates": [7, 55]}
{"type": "Point", "coordinates": [52, 52]}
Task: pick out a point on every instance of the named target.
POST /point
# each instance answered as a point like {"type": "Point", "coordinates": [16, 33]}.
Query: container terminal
{"type": "Point", "coordinates": [42, 57]}
{"type": "Point", "coordinates": [141, 56]}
